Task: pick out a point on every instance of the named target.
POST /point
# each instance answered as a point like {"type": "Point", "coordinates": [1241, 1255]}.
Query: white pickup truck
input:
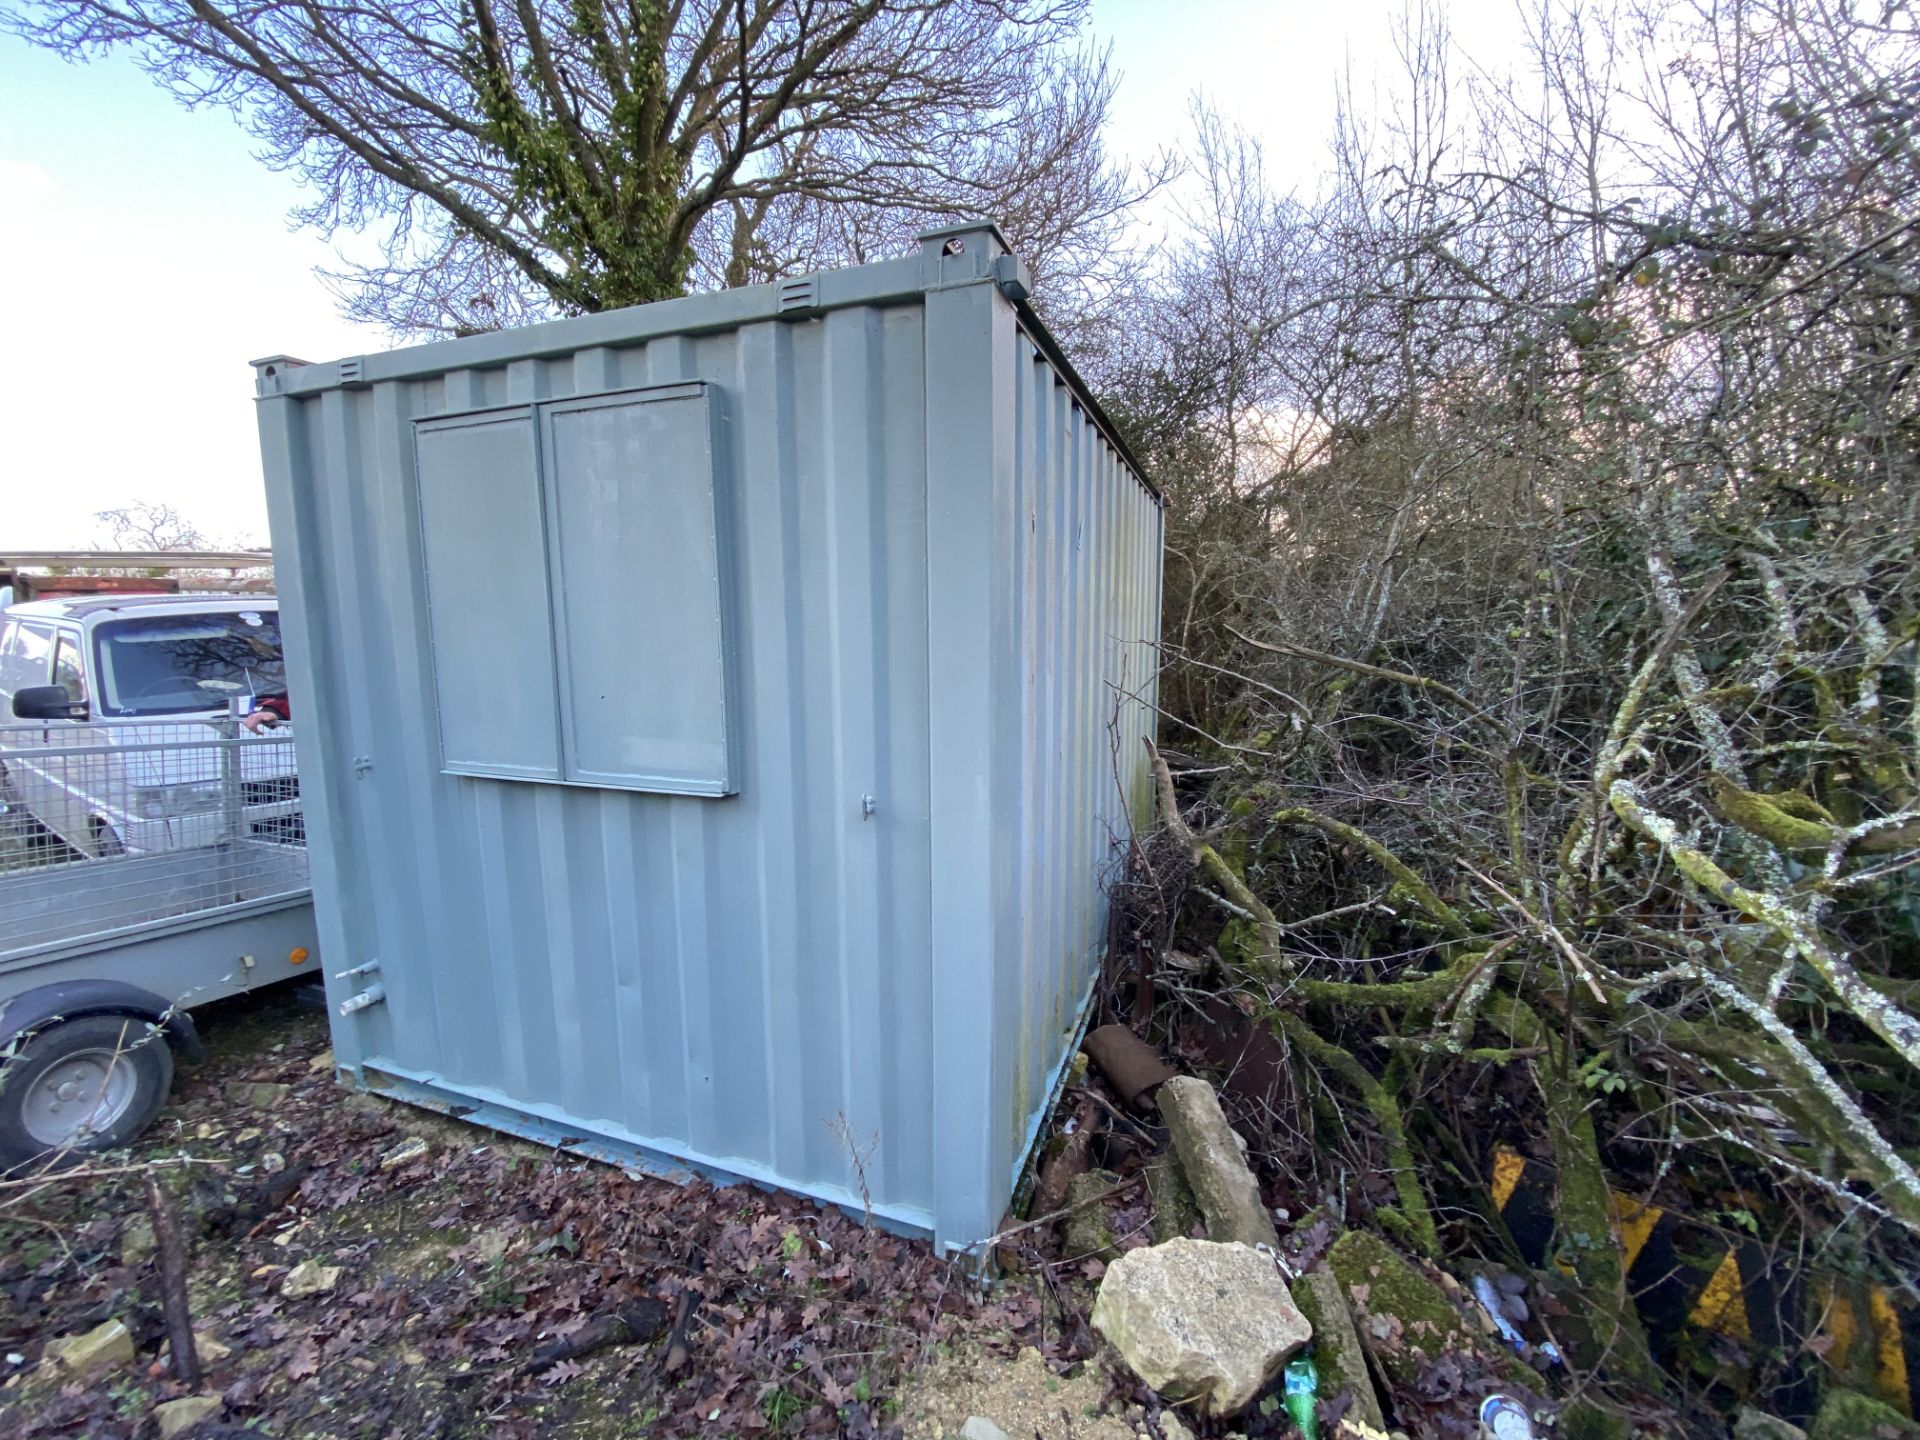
{"type": "Point", "coordinates": [86, 667]}
{"type": "Point", "coordinates": [152, 853]}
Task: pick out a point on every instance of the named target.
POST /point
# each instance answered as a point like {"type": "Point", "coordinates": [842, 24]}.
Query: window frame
{"type": "Point", "coordinates": [545, 551]}
{"type": "Point", "coordinates": [68, 640]}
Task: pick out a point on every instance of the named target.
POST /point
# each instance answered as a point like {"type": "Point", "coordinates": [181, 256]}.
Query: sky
{"type": "Point", "coordinates": [146, 257]}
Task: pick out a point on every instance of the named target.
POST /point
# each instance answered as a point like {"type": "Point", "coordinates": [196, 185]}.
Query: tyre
{"type": "Point", "coordinates": [81, 1086]}
{"type": "Point", "coordinates": [106, 840]}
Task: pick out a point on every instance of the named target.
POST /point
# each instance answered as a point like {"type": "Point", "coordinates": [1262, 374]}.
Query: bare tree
{"type": "Point", "coordinates": [1543, 613]}
{"type": "Point", "coordinates": [516, 157]}
{"type": "Point", "coordinates": [151, 525]}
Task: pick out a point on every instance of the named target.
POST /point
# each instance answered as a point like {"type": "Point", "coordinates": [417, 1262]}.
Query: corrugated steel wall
{"type": "Point", "coordinates": [717, 980]}
{"type": "Point", "coordinates": [947, 584]}
{"type": "Point", "coordinates": [1086, 567]}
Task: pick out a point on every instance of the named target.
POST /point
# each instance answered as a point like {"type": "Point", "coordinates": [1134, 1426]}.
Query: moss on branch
{"type": "Point", "coordinates": [1584, 1219]}
{"type": "Point", "coordinates": [1873, 1009]}
{"type": "Point", "coordinates": [1812, 1101]}
{"type": "Point", "coordinates": [1415, 1212]}
{"type": "Point", "coordinates": [1428, 992]}
{"type": "Point", "coordinates": [1437, 910]}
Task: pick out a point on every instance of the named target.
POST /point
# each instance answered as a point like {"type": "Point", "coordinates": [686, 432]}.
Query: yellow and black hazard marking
{"type": "Point", "coordinates": [1869, 1340]}
{"type": "Point", "coordinates": [1689, 1278]}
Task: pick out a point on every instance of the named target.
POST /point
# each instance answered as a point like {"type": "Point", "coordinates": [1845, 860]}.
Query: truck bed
{"type": "Point", "coordinates": [101, 903]}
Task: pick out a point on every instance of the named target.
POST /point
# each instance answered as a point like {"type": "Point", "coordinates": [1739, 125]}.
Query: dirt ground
{"type": "Point", "coordinates": [464, 1258]}
{"type": "Point", "coordinates": [1023, 1396]}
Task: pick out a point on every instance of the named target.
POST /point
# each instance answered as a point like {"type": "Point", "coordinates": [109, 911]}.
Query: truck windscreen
{"type": "Point", "coordinates": [178, 664]}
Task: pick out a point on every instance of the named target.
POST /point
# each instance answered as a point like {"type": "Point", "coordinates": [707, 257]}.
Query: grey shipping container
{"type": "Point", "coordinates": [719, 719]}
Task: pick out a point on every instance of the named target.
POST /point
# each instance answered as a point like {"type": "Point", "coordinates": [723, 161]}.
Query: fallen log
{"type": "Point", "coordinates": [633, 1323]}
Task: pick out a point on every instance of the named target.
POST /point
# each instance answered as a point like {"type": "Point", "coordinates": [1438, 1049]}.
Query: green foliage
{"type": "Point", "coordinates": [1606, 1081]}
{"type": "Point", "coordinates": [780, 1405]}
{"type": "Point", "coordinates": [608, 207]}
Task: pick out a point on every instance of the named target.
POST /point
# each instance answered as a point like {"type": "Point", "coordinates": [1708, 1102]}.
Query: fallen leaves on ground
{"type": "Point", "coordinates": [459, 1264]}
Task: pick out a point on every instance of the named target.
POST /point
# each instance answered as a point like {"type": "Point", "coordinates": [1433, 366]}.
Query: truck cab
{"type": "Point", "coordinates": [113, 675]}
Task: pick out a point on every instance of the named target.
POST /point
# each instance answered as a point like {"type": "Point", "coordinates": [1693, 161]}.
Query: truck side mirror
{"type": "Point", "coordinates": [47, 702]}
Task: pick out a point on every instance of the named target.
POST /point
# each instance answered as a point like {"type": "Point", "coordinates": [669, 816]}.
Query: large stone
{"type": "Point", "coordinates": [1215, 1162]}
{"type": "Point", "coordinates": [136, 1241]}
{"type": "Point", "coordinates": [176, 1417]}
{"type": "Point", "coordinates": [92, 1354]}
{"type": "Point", "coordinates": [1403, 1318]}
{"type": "Point", "coordinates": [1336, 1345]}
{"type": "Point", "coordinates": [1200, 1320]}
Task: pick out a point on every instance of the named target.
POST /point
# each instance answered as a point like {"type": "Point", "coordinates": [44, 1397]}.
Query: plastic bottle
{"type": "Point", "coordinates": [1302, 1392]}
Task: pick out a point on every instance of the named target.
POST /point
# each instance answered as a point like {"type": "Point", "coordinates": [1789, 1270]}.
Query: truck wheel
{"type": "Point", "coordinates": [80, 1086]}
